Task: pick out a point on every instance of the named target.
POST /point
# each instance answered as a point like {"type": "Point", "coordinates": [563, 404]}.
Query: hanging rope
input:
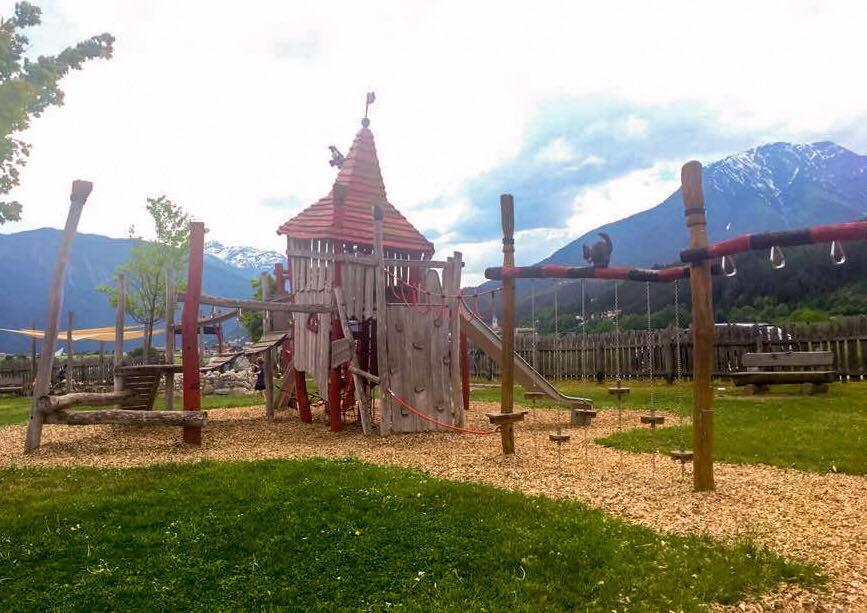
{"type": "Point", "coordinates": [421, 415]}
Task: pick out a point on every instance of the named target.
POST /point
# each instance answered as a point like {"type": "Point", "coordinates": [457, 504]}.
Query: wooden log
{"type": "Point", "coordinates": [48, 404]}
{"type": "Point", "coordinates": [364, 374]}
{"type": "Point", "coordinates": [702, 330]}
{"type": "Point", "coordinates": [261, 305]}
{"type": "Point", "coordinates": [507, 363]}
{"type": "Point", "coordinates": [170, 338]}
{"type": "Point", "coordinates": [265, 284]}
{"type": "Point", "coordinates": [120, 417]}
{"type": "Point", "coordinates": [189, 328]}
{"type": "Point", "coordinates": [80, 191]}
{"type": "Point", "coordinates": [364, 408]}
{"type": "Point", "coordinates": [386, 405]}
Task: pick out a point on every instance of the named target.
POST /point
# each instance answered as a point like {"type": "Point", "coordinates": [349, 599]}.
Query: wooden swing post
{"type": "Point", "coordinates": [507, 417]}
{"type": "Point", "coordinates": [170, 338]}
{"type": "Point", "coordinates": [702, 330]}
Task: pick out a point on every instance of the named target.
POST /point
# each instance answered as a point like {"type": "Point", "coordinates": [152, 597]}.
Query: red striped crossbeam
{"type": "Point", "coordinates": [851, 231]}
{"type": "Point", "coordinates": [557, 271]}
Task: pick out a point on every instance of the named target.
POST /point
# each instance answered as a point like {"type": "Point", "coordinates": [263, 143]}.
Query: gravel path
{"type": "Point", "coordinates": [803, 515]}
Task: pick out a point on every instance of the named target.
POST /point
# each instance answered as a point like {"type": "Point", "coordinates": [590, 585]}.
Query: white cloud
{"type": "Point", "coordinates": [226, 107]}
{"type": "Point", "coordinates": [558, 150]}
{"type": "Point", "coordinates": [635, 127]}
{"type": "Point", "coordinates": [626, 195]}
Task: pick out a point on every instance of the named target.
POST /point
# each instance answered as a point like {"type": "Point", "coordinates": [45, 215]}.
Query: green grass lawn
{"type": "Point", "coordinates": [16, 409]}
{"type": "Point", "coordinates": [325, 535]}
{"type": "Point", "coordinates": [820, 433]}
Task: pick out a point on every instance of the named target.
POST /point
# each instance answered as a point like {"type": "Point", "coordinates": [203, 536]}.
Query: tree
{"type": "Point", "coordinates": [28, 87]}
{"type": "Point", "coordinates": [252, 320]}
{"type": "Point", "coordinates": [146, 267]}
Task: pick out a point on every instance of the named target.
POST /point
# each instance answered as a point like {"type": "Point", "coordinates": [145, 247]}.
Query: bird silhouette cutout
{"type": "Point", "coordinates": [599, 254]}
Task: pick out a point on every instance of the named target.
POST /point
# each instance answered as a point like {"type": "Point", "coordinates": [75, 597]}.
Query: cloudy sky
{"type": "Point", "coordinates": [585, 111]}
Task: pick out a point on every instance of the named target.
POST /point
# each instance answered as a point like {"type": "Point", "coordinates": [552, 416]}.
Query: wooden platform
{"type": "Point", "coordinates": [506, 418]}
{"type": "Point", "coordinates": [143, 381]}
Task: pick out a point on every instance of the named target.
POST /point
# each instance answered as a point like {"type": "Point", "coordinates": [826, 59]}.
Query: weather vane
{"type": "Point", "coordinates": [371, 98]}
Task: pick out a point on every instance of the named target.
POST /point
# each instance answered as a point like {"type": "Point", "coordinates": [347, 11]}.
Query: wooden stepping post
{"type": "Point", "coordinates": [507, 361]}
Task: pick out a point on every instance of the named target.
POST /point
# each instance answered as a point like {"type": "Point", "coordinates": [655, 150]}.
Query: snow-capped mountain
{"type": "Point", "coordinates": [772, 187]}
{"type": "Point", "coordinates": [777, 171]}
{"type": "Point", "coordinates": [249, 260]}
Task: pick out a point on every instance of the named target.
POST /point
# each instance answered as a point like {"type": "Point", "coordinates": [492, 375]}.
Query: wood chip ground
{"type": "Point", "coordinates": [797, 514]}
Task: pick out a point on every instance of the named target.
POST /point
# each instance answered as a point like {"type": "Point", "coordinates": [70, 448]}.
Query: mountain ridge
{"type": "Point", "coordinates": [26, 263]}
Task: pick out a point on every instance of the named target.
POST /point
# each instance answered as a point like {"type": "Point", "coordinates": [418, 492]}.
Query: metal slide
{"type": "Point", "coordinates": [525, 375]}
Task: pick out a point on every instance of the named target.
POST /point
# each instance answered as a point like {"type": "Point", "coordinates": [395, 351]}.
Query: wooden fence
{"type": "Point", "coordinates": [608, 355]}
{"type": "Point", "coordinates": [88, 371]}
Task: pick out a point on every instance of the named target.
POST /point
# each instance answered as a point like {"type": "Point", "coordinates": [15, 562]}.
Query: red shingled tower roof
{"type": "Point", "coordinates": [360, 180]}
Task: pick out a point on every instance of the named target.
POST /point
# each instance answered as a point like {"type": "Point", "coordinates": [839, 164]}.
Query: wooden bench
{"type": "Point", "coordinates": [812, 369]}
{"type": "Point", "coordinates": [13, 385]}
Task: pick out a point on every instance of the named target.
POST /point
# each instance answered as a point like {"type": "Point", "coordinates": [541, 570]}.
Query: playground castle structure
{"type": "Point", "coordinates": [361, 305]}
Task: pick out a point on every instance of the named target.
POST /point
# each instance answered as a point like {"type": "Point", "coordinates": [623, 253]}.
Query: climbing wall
{"type": "Point", "coordinates": [419, 359]}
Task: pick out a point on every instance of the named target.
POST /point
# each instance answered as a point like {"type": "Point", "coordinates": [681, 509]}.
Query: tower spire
{"type": "Point", "coordinates": [371, 98]}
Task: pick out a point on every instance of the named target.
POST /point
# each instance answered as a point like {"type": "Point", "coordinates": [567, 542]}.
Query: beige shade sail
{"type": "Point", "coordinates": [130, 333]}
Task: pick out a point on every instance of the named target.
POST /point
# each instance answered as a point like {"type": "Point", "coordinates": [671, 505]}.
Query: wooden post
{"type": "Point", "coordinates": [507, 376]}
{"type": "Point", "coordinates": [265, 284]}
{"type": "Point", "coordinates": [334, 379]}
{"type": "Point", "coordinates": [101, 363]}
{"type": "Point", "coordinates": [454, 288]}
{"type": "Point", "coordinates": [702, 330]}
{"type": "Point", "coordinates": [363, 408]}
{"type": "Point", "coordinates": [279, 320]}
{"type": "Point", "coordinates": [465, 372]}
{"type": "Point", "coordinates": [119, 316]}
{"type": "Point", "coordinates": [32, 380]}
{"type": "Point", "coordinates": [189, 330]}
{"type": "Point", "coordinates": [170, 338]}
{"type": "Point", "coordinates": [70, 351]}
{"type": "Point", "coordinates": [80, 192]}
{"type": "Point", "coordinates": [385, 419]}
{"type": "Point", "coordinates": [334, 406]}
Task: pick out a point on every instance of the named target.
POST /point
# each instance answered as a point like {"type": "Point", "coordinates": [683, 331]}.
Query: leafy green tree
{"type": "Point", "coordinates": [28, 87]}
{"type": "Point", "coordinates": [147, 265]}
{"type": "Point", "coordinates": [252, 320]}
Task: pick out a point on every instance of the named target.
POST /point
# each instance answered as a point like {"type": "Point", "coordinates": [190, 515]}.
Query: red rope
{"type": "Point", "coordinates": [418, 413]}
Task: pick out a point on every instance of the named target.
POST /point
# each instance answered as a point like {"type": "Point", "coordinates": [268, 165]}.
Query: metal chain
{"type": "Point", "coordinates": [650, 350]}
{"type": "Point", "coordinates": [617, 331]}
{"type": "Point", "coordinates": [679, 367]}
{"type": "Point", "coordinates": [583, 335]}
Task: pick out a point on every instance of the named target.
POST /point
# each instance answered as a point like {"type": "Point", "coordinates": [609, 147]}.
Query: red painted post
{"type": "Point", "coordinates": [189, 330]}
{"type": "Point", "coordinates": [334, 408]}
{"type": "Point", "coordinates": [465, 371]}
{"type": "Point", "coordinates": [302, 398]}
